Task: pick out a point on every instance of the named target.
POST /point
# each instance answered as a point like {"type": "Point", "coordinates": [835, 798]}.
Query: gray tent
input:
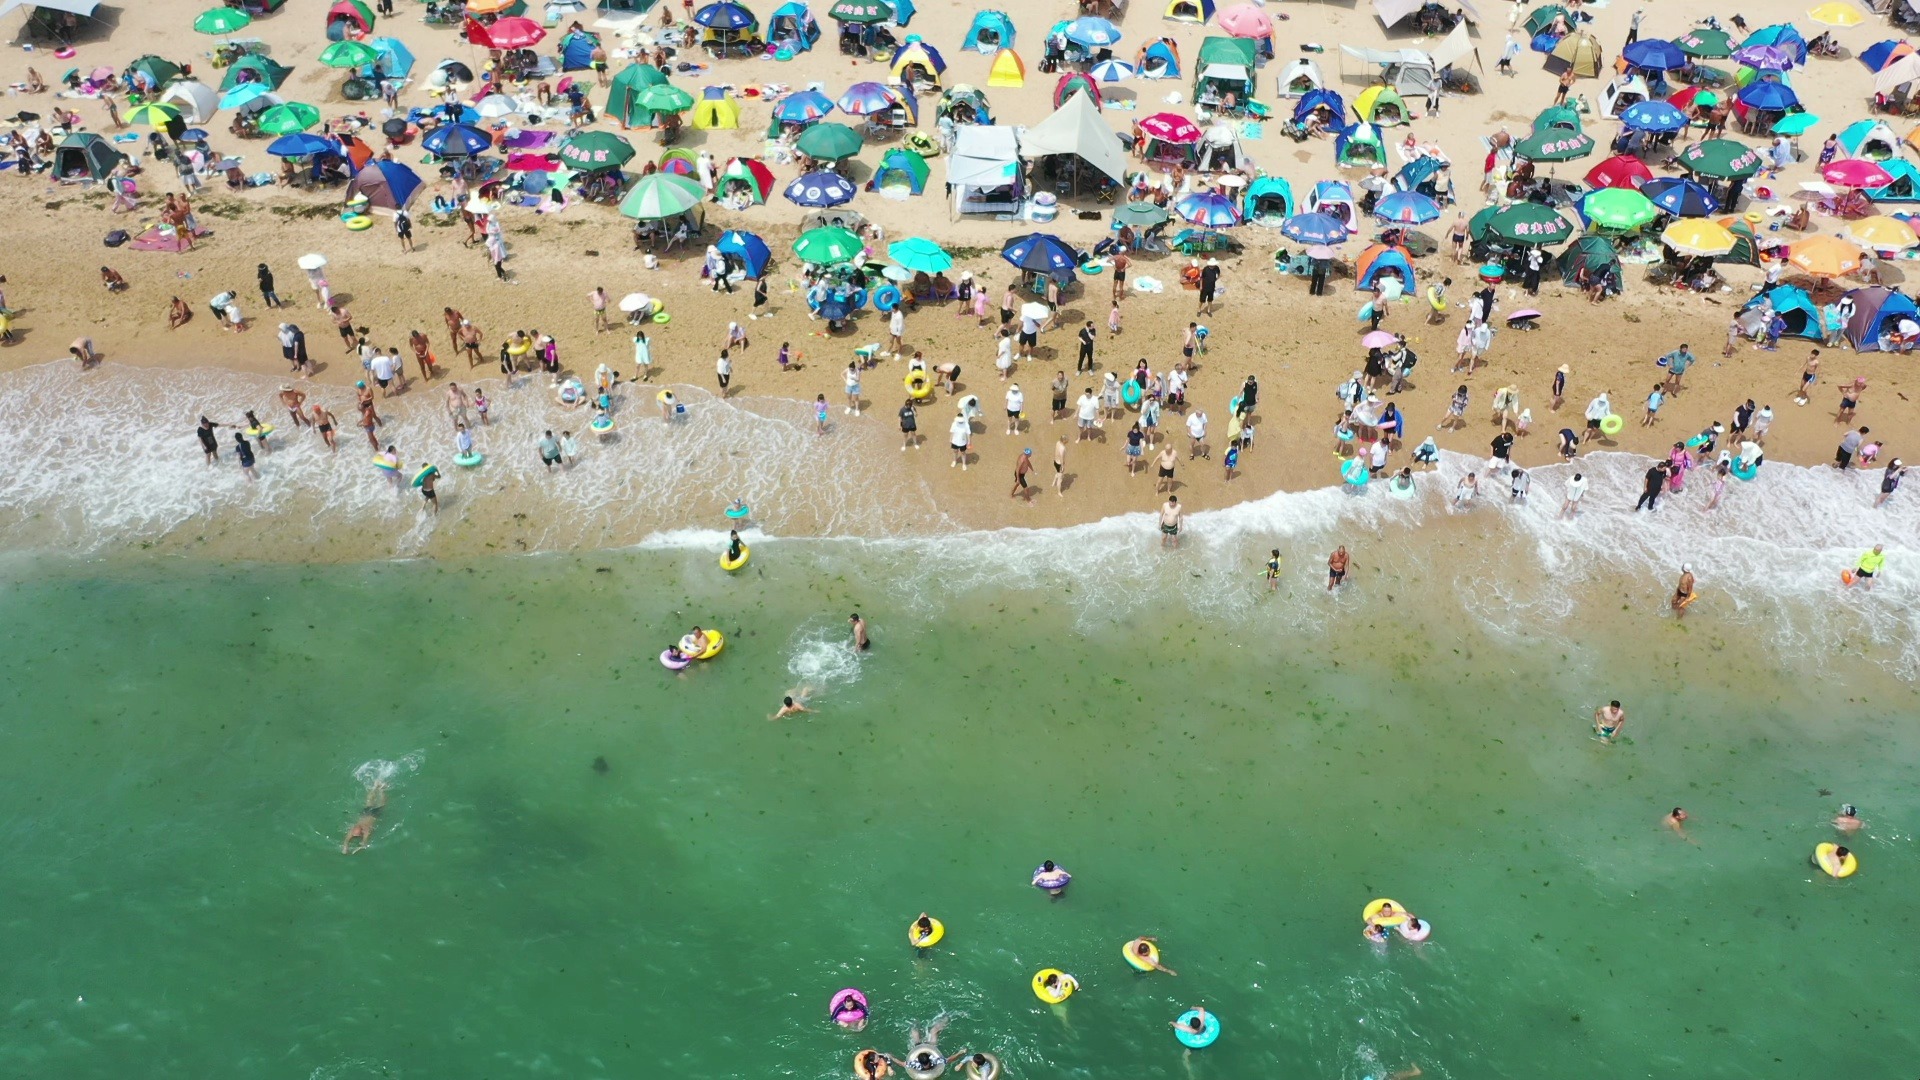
{"type": "Point", "coordinates": [84, 156]}
{"type": "Point", "coordinates": [1076, 128]}
{"type": "Point", "coordinates": [983, 171]}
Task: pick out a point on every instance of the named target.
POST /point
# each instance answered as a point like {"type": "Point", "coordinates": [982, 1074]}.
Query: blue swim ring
{"type": "Point", "coordinates": [737, 512]}
{"type": "Point", "coordinates": [1196, 1040]}
{"type": "Point", "coordinates": [1355, 472]}
{"type": "Point", "coordinates": [886, 298]}
{"type": "Point", "coordinates": [1130, 392]}
{"type": "Point", "coordinates": [858, 300]}
{"type": "Point", "coordinates": [1745, 472]}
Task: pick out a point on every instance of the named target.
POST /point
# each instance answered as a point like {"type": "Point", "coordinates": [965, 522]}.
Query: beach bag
{"type": "Point", "coordinates": [115, 238]}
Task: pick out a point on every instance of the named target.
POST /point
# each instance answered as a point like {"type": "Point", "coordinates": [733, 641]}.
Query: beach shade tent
{"type": "Point", "coordinates": [829, 141]}
{"type": "Point", "coordinates": [1360, 144]}
{"type": "Point", "coordinates": [1168, 138]}
{"type": "Point", "coordinates": [391, 57]}
{"type": "Point", "coordinates": [1880, 54]}
{"type": "Point", "coordinates": [1422, 175]}
{"type": "Point", "coordinates": [1225, 65]}
{"type": "Point", "coordinates": [386, 184]}
{"type": "Point", "coordinates": [983, 170]}
{"type": "Point", "coordinates": [1406, 208]}
{"type": "Point", "coordinates": [1092, 31]}
{"type": "Point", "coordinates": [1383, 260]}
{"type": "Point", "coordinates": [1268, 201]}
{"type": "Point", "coordinates": [1008, 70]}
{"type": "Point", "coordinates": [576, 51]}
{"type": "Point", "coordinates": [751, 251]}
{"type": "Point", "coordinates": [1558, 116]}
{"type": "Point", "coordinates": [1077, 130]}
{"type": "Point", "coordinates": [1299, 77]}
{"type": "Point", "coordinates": [456, 141]}
{"type": "Point", "coordinates": [900, 173]}
{"type": "Point", "coordinates": [1530, 224]}
{"type": "Point", "coordinates": [1654, 54]}
{"type": "Point", "coordinates": [1781, 36]}
{"type": "Point", "coordinates": [1220, 150]}
{"type": "Point", "coordinates": [748, 174]}
{"type": "Point", "coordinates": [662, 195]}
{"type": "Point", "coordinates": [1334, 199]}
{"type": "Point", "coordinates": [1721, 159]}
{"type": "Point", "coordinates": [349, 18]}
{"type": "Point", "coordinates": [1592, 255]}
{"type": "Point", "coordinates": [919, 255]}
{"type": "Point", "coordinates": [1655, 116]}
{"type": "Point", "coordinates": [1698, 236]}
{"type": "Point", "coordinates": [925, 62]}
{"type": "Point", "coordinates": [1189, 11]}
{"type": "Point", "coordinates": [1407, 71]}
{"type": "Point", "coordinates": [196, 101]}
{"type": "Point", "coordinates": [964, 104]}
{"type": "Point", "coordinates": [792, 27]}
{"type": "Point", "coordinates": [1898, 73]}
{"type": "Point", "coordinates": [1619, 171]}
{"type": "Point", "coordinates": [1159, 59]}
{"type": "Point", "coordinates": [1380, 105]}
{"type": "Point", "coordinates": [1623, 92]}
{"type": "Point", "coordinates": [1554, 145]}
{"type": "Point", "coordinates": [717, 111]}
{"type": "Point", "coordinates": [1616, 209]}
{"type": "Point", "coordinates": [1705, 44]}
{"type": "Point", "coordinates": [1315, 229]}
{"type": "Point", "coordinates": [989, 32]}
{"type": "Point", "coordinates": [150, 73]}
{"type": "Point", "coordinates": [1579, 53]}
{"type": "Point", "coordinates": [1328, 100]}
{"type": "Point", "coordinates": [594, 152]}
{"type": "Point", "coordinates": [1871, 140]}
{"type": "Point", "coordinates": [1679, 197]}
{"type": "Point", "coordinates": [1791, 303]}
{"type": "Point", "coordinates": [1905, 187]}
{"type": "Point", "coordinates": [679, 161]}
{"type": "Point", "coordinates": [1824, 256]}
{"type": "Point", "coordinates": [1077, 82]}
{"type": "Point", "coordinates": [254, 68]}
{"type": "Point", "coordinates": [1875, 312]}
{"type": "Point", "coordinates": [623, 97]}
{"type": "Point", "coordinates": [828, 246]}
{"type": "Point", "coordinates": [84, 156]}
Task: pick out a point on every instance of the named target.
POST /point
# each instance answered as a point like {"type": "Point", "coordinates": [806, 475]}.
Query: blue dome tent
{"type": "Point", "coordinates": [1793, 304]}
{"type": "Point", "coordinates": [792, 26]}
{"type": "Point", "coordinates": [1874, 311]}
{"type": "Point", "coordinates": [1269, 201]}
{"type": "Point", "coordinates": [750, 250]}
{"type": "Point", "coordinates": [576, 51]}
{"type": "Point", "coordinates": [991, 31]}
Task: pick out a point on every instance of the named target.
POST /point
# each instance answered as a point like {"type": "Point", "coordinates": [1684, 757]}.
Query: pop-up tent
{"type": "Point", "coordinates": [576, 51]}
{"type": "Point", "coordinates": [1382, 260]}
{"type": "Point", "coordinates": [1408, 71]}
{"type": "Point", "coordinates": [254, 68]}
{"type": "Point", "coordinates": [1875, 310]}
{"type": "Point", "coordinates": [1269, 201]}
{"type": "Point", "coordinates": [623, 98]}
{"type": "Point", "coordinates": [1622, 91]}
{"type": "Point", "coordinates": [197, 101]}
{"type": "Point", "coordinates": [925, 61]}
{"type": "Point", "coordinates": [349, 18]}
{"type": "Point", "coordinates": [1793, 304]}
{"type": "Point", "coordinates": [84, 156]}
{"type": "Point", "coordinates": [1579, 53]}
{"type": "Point", "coordinates": [1593, 256]}
{"type": "Point", "coordinates": [715, 110]}
{"type": "Point", "coordinates": [1870, 139]}
{"type": "Point", "coordinates": [1299, 77]}
{"type": "Point", "coordinates": [1189, 11]}
{"type": "Point", "coordinates": [747, 249]}
{"type": "Point", "coordinates": [1328, 100]}
{"type": "Point", "coordinates": [386, 184]}
{"type": "Point", "coordinates": [1225, 65]}
{"type": "Point", "coordinates": [1360, 144]}
{"type": "Point", "coordinates": [991, 31]}
{"type": "Point", "coordinates": [983, 171]}
{"type": "Point", "coordinates": [1906, 183]}
{"type": "Point", "coordinates": [1007, 69]}
{"type": "Point", "coordinates": [792, 27]}
{"type": "Point", "coordinates": [1334, 199]}
{"type": "Point", "coordinates": [1220, 150]}
{"type": "Point", "coordinates": [1159, 59]}
{"type": "Point", "coordinates": [1075, 82]}
{"type": "Point", "coordinates": [1381, 105]}
{"type": "Point", "coordinates": [393, 58]}
{"type": "Point", "coordinates": [1077, 129]}
{"type": "Point", "coordinates": [900, 173]}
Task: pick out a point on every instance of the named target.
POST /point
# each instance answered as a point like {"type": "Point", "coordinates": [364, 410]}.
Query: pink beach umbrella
{"type": "Point", "coordinates": [1856, 173]}
{"type": "Point", "coordinates": [1245, 21]}
{"type": "Point", "coordinates": [1379, 339]}
{"type": "Point", "coordinates": [1170, 128]}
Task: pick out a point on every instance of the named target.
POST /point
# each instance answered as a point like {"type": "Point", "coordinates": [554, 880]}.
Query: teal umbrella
{"type": "Point", "coordinates": [1795, 123]}
{"type": "Point", "coordinates": [918, 254]}
{"type": "Point", "coordinates": [828, 246]}
{"type": "Point", "coordinates": [1141, 215]}
{"type": "Point", "coordinates": [662, 195]}
{"type": "Point", "coordinates": [222, 20]}
{"type": "Point", "coordinates": [829, 141]}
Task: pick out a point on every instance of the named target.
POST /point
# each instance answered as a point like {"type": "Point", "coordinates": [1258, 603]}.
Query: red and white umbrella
{"type": "Point", "coordinates": [514, 32]}
{"type": "Point", "coordinates": [1170, 128]}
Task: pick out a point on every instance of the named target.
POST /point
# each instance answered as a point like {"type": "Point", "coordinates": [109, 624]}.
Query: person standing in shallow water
{"type": "Point", "coordinates": [861, 643]}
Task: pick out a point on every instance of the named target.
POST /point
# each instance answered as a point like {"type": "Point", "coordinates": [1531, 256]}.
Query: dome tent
{"type": "Point", "coordinates": [1269, 201]}
{"type": "Point", "coordinates": [1360, 144]}
{"type": "Point", "coordinates": [1334, 199]}
{"type": "Point", "coordinates": [990, 32]}
{"type": "Point", "coordinates": [715, 110]}
{"type": "Point", "coordinates": [792, 27]}
{"type": "Point", "coordinates": [1160, 59]}
{"type": "Point", "coordinates": [1381, 105]}
{"type": "Point", "coordinates": [1906, 183]}
{"type": "Point", "coordinates": [900, 172]}
{"type": "Point", "coordinates": [576, 51]}
{"type": "Point", "coordinates": [623, 98]}
{"type": "Point", "coordinates": [388, 185]}
{"type": "Point", "coordinates": [1299, 77]}
{"type": "Point", "coordinates": [1189, 11]}
{"type": "Point", "coordinates": [1793, 304]}
{"type": "Point", "coordinates": [1870, 139]}
{"type": "Point", "coordinates": [1593, 255]}
{"type": "Point", "coordinates": [1007, 70]}
{"type": "Point", "coordinates": [1874, 309]}
{"type": "Point", "coordinates": [1383, 259]}
{"type": "Point", "coordinates": [84, 156]}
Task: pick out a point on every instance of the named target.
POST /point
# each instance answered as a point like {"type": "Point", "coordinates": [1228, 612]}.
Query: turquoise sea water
{"type": "Point", "coordinates": [179, 764]}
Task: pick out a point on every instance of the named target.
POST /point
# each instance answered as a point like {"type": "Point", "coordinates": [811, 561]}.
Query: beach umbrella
{"type": "Point", "coordinates": [1883, 233]}
{"type": "Point", "coordinates": [1554, 144]}
{"type": "Point", "coordinates": [1530, 224]}
{"type": "Point", "coordinates": [313, 260]}
{"type": "Point", "coordinates": [1698, 236]}
{"type": "Point", "coordinates": [1836, 14]}
{"type": "Point", "coordinates": [1722, 159]}
{"type": "Point", "coordinates": [243, 93]}
{"type": "Point", "coordinates": [860, 12]}
{"type": "Point", "coordinates": [1406, 208]}
{"type": "Point", "coordinates": [1653, 115]}
{"type": "Point", "coordinates": [803, 108]}
{"type": "Point", "coordinates": [664, 97]}
{"type": "Point", "coordinates": [456, 140]}
{"type": "Point", "coordinates": [1824, 256]}
{"type": "Point", "coordinates": [288, 118]}
{"type": "Point", "coordinates": [828, 246]}
{"type": "Point", "coordinates": [301, 144]}
{"type": "Point", "coordinates": [1795, 123]}
{"type": "Point", "coordinates": [1245, 21]}
{"type": "Point", "coordinates": [821, 189]}
{"type": "Point", "coordinates": [1856, 173]}
{"type": "Point", "coordinates": [495, 106]}
{"type": "Point", "coordinates": [1705, 44]}
{"type": "Point", "coordinates": [1314, 229]}
{"type": "Point", "coordinates": [1680, 197]}
{"type": "Point", "coordinates": [1619, 171]}
{"type": "Point", "coordinates": [1654, 54]}
{"type": "Point", "coordinates": [1617, 208]}
{"type": "Point", "coordinates": [661, 195]}
{"type": "Point", "coordinates": [594, 152]}
{"type": "Point", "coordinates": [1140, 215]}
{"type": "Point", "coordinates": [867, 98]}
{"type": "Point", "coordinates": [1209, 209]}
{"type": "Point", "coordinates": [514, 32]}
{"type": "Point", "coordinates": [1092, 31]}
{"type": "Point", "coordinates": [532, 163]}
{"type": "Point", "coordinates": [1170, 128]}
{"type": "Point", "coordinates": [1768, 95]}
{"type": "Point", "coordinates": [489, 7]}
{"type": "Point", "coordinates": [1379, 339]}
{"type": "Point", "coordinates": [1042, 253]}
{"type": "Point", "coordinates": [1765, 57]}
{"type": "Point", "coordinates": [348, 54]}
{"type": "Point", "coordinates": [1111, 71]}
{"type": "Point", "coordinates": [829, 141]}
{"type": "Point", "coordinates": [152, 114]}
{"type": "Point", "coordinates": [725, 15]}
{"type": "Point", "coordinates": [915, 253]}
{"type": "Point", "coordinates": [222, 20]}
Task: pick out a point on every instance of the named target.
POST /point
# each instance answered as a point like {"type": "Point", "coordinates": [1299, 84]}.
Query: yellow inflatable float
{"type": "Point", "coordinates": [919, 387]}
{"type": "Point", "coordinates": [928, 939]}
{"type": "Point", "coordinates": [1384, 912]}
{"type": "Point", "coordinates": [730, 565]}
{"type": "Point", "coordinates": [1834, 860]}
{"type": "Point", "coordinates": [1061, 989]}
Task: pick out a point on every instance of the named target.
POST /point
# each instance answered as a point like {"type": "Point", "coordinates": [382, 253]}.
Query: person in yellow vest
{"type": "Point", "coordinates": [1869, 566]}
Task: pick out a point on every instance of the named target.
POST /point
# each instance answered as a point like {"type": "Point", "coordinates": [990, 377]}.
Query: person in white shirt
{"type": "Point", "coordinates": [1087, 410]}
{"type": "Point", "coordinates": [1197, 434]}
{"type": "Point", "coordinates": [959, 436]}
{"type": "Point", "coordinates": [382, 367]}
{"type": "Point", "coordinates": [1016, 404]}
{"type": "Point", "coordinates": [1597, 410]}
{"type": "Point", "coordinates": [1003, 355]}
{"type": "Point", "coordinates": [1576, 490]}
{"type": "Point", "coordinates": [723, 371]}
{"type": "Point", "coordinates": [896, 326]}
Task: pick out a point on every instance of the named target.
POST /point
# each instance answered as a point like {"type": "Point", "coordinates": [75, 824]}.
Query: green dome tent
{"type": "Point", "coordinates": [623, 99]}
{"type": "Point", "coordinates": [1593, 254]}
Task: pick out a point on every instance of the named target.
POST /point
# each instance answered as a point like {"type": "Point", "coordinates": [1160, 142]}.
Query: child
{"type": "Point", "coordinates": [782, 358]}
{"type": "Point", "coordinates": [480, 404]}
{"type": "Point", "coordinates": [820, 413]}
{"type": "Point", "coordinates": [1113, 320]}
{"type": "Point", "coordinates": [1233, 457]}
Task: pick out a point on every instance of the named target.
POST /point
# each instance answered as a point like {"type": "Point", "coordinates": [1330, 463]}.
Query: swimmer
{"type": "Point", "coordinates": [872, 1065]}
{"type": "Point", "coordinates": [1196, 1023]}
{"type": "Point", "coordinates": [978, 1066]}
{"type": "Point", "coordinates": [1059, 984]}
{"type": "Point", "coordinates": [1407, 1073]}
{"type": "Point", "coordinates": [861, 643]}
{"type": "Point", "coordinates": [924, 1055]}
{"type": "Point", "coordinates": [1375, 933]}
{"type": "Point", "coordinates": [1832, 861]}
{"type": "Point", "coordinates": [1273, 570]}
{"type": "Point", "coordinates": [369, 817]}
{"type": "Point", "coordinates": [922, 930]}
{"type": "Point", "coordinates": [1051, 878]}
{"type": "Point", "coordinates": [1676, 820]}
{"type": "Point", "coordinates": [850, 1014]}
{"type": "Point", "coordinates": [696, 642]}
{"type": "Point", "coordinates": [794, 702]}
{"type": "Point", "coordinates": [1414, 929]}
{"type": "Point", "coordinates": [1141, 949]}
{"type": "Point", "coordinates": [733, 545]}
{"type": "Point", "coordinates": [675, 656]}
{"type": "Point", "coordinates": [1683, 593]}
{"type": "Point", "coordinates": [1608, 719]}
{"type": "Point", "coordinates": [1848, 819]}
{"type": "Point", "coordinates": [1387, 911]}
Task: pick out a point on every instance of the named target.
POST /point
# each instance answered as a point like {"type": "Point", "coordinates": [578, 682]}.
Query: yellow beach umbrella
{"type": "Point", "coordinates": [1836, 14]}
{"type": "Point", "coordinates": [152, 114]}
{"type": "Point", "coordinates": [1698, 236]}
{"type": "Point", "coordinates": [1824, 256]}
{"type": "Point", "coordinates": [1883, 233]}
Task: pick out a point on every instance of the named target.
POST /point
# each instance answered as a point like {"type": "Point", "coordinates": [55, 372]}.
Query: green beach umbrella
{"type": "Point", "coordinates": [829, 141]}
{"type": "Point", "coordinates": [222, 20]}
{"type": "Point", "coordinates": [664, 98]}
{"type": "Point", "coordinates": [152, 115]}
{"type": "Point", "coordinates": [1723, 159]}
{"type": "Point", "coordinates": [1141, 215]}
{"type": "Point", "coordinates": [662, 195]}
{"type": "Point", "coordinates": [1705, 44]}
{"type": "Point", "coordinates": [595, 151]}
{"type": "Point", "coordinates": [1530, 224]}
{"type": "Point", "coordinates": [348, 54]}
{"type": "Point", "coordinates": [1618, 208]}
{"type": "Point", "coordinates": [918, 254]}
{"type": "Point", "coordinates": [828, 246]}
{"type": "Point", "coordinates": [288, 118]}
{"type": "Point", "coordinates": [1795, 123]}
{"type": "Point", "coordinates": [861, 12]}
{"type": "Point", "coordinates": [1554, 144]}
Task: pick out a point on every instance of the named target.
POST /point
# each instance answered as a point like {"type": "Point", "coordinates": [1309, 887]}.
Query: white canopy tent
{"type": "Point", "coordinates": [983, 172]}
{"type": "Point", "coordinates": [1408, 71]}
{"type": "Point", "coordinates": [82, 8]}
{"type": "Point", "coordinates": [1076, 128]}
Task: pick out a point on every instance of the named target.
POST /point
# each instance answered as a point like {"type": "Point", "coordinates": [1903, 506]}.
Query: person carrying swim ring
{"type": "Point", "coordinates": [1143, 954]}
{"type": "Point", "coordinates": [1051, 878]}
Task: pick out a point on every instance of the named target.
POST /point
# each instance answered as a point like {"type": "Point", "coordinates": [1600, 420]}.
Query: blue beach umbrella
{"type": "Point", "coordinates": [821, 189]}
{"type": "Point", "coordinates": [1769, 95]}
{"type": "Point", "coordinates": [1314, 229]}
{"type": "Point", "coordinates": [456, 140]}
{"type": "Point", "coordinates": [1406, 208]}
{"type": "Point", "coordinates": [1654, 54]}
{"type": "Point", "coordinates": [748, 248]}
{"type": "Point", "coordinates": [866, 98]}
{"type": "Point", "coordinates": [1680, 197]}
{"type": "Point", "coordinates": [803, 108]}
{"type": "Point", "coordinates": [725, 16]}
{"type": "Point", "coordinates": [835, 308]}
{"type": "Point", "coordinates": [1042, 253]}
{"type": "Point", "coordinates": [1208, 208]}
{"type": "Point", "coordinates": [1092, 31]}
{"type": "Point", "coordinates": [301, 144]}
{"type": "Point", "coordinates": [1653, 116]}
{"type": "Point", "coordinates": [1110, 71]}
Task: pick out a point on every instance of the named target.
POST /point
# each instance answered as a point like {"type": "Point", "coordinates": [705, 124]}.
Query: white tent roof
{"type": "Point", "coordinates": [1224, 71]}
{"type": "Point", "coordinates": [200, 100]}
{"type": "Point", "coordinates": [981, 155]}
{"type": "Point", "coordinates": [77, 7]}
{"type": "Point", "coordinates": [1076, 128]}
{"type": "Point", "coordinates": [1396, 56]}
{"type": "Point", "coordinates": [1454, 47]}
{"type": "Point", "coordinates": [1297, 68]}
{"type": "Point", "coordinates": [1392, 11]}
{"type": "Point", "coordinates": [1901, 71]}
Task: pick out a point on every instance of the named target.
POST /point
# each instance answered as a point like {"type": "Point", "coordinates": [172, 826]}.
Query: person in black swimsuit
{"type": "Point", "coordinates": [207, 440]}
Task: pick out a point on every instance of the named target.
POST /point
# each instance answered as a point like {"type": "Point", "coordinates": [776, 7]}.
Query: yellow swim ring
{"type": "Point", "coordinates": [1133, 958]}
{"type": "Point", "coordinates": [663, 396]}
{"type": "Point", "coordinates": [1372, 913]}
{"type": "Point", "coordinates": [1830, 864]}
{"type": "Point", "coordinates": [1052, 997]}
{"type": "Point", "coordinates": [919, 387]}
{"type": "Point", "coordinates": [714, 643]}
{"type": "Point", "coordinates": [520, 348]}
{"type": "Point", "coordinates": [359, 223]}
{"type": "Point", "coordinates": [730, 567]}
{"type": "Point", "coordinates": [1611, 424]}
{"type": "Point", "coordinates": [932, 937]}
